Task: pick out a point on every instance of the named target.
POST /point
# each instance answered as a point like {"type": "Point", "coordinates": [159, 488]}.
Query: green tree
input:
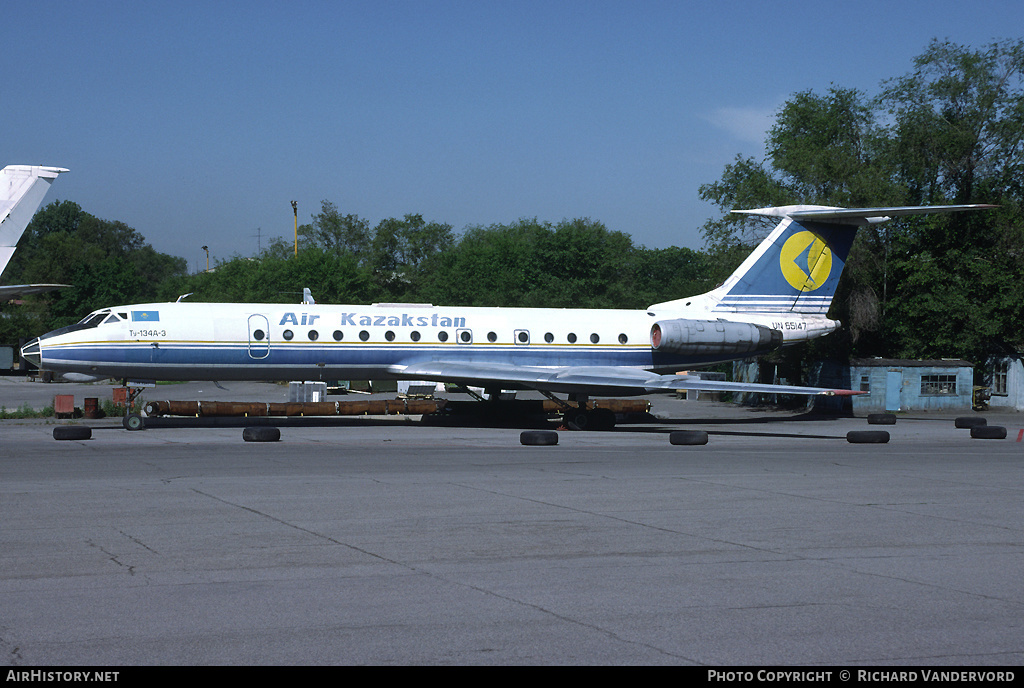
{"type": "Point", "coordinates": [958, 137]}
{"type": "Point", "coordinates": [958, 126]}
{"type": "Point", "coordinates": [401, 251]}
{"type": "Point", "coordinates": [332, 231]}
{"type": "Point", "coordinates": [576, 263]}
{"type": "Point", "coordinates": [278, 276]}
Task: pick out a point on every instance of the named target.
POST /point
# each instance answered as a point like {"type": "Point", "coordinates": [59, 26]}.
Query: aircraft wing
{"type": "Point", "coordinates": [591, 380]}
{"type": "Point", "coordinates": [10, 291]}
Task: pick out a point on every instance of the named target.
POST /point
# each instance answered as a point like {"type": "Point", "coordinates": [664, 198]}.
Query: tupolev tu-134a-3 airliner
{"type": "Point", "coordinates": [780, 295]}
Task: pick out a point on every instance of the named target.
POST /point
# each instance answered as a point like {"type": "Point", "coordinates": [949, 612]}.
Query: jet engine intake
{"type": "Point", "coordinates": [712, 337]}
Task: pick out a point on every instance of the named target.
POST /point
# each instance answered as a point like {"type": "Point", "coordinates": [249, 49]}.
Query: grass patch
{"type": "Point", "coordinates": [26, 411]}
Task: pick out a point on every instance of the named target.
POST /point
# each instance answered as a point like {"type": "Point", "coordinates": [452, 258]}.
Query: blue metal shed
{"type": "Point", "coordinates": [907, 385]}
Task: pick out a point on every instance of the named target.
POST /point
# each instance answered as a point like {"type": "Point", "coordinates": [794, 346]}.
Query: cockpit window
{"type": "Point", "coordinates": [89, 321]}
{"type": "Point", "coordinates": [112, 319]}
{"type": "Point", "coordinates": [93, 319]}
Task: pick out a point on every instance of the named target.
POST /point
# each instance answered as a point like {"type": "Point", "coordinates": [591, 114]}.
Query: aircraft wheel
{"type": "Point", "coordinates": [881, 419]}
{"type": "Point", "coordinates": [687, 437]}
{"type": "Point", "coordinates": [969, 422]}
{"type": "Point", "coordinates": [261, 433]}
{"type": "Point", "coordinates": [133, 421]}
{"type": "Point", "coordinates": [576, 419]}
{"type": "Point", "coordinates": [867, 437]}
{"type": "Point", "coordinates": [72, 432]}
{"type": "Point", "coordinates": [988, 432]}
{"type": "Point", "coordinates": [538, 438]}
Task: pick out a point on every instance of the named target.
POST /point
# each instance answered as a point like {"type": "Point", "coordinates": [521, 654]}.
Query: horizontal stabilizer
{"type": "Point", "coordinates": [857, 216]}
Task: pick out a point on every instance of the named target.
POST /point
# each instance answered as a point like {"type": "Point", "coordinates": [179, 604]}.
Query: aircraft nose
{"type": "Point", "coordinates": [32, 353]}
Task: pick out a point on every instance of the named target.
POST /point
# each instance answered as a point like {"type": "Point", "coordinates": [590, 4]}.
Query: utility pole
{"type": "Point", "coordinates": [207, 249]}
{"type": "Point", "coordinates": [295, 210]}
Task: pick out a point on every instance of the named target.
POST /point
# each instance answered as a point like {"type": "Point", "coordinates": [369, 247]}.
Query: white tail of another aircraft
{"type": "Point", "coordinates": [22, 188]}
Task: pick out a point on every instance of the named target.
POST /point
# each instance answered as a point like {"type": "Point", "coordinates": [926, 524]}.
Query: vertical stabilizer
{"type": "Point", "coordinates": [795, 270]}
{"type": "Point", "coordinates": [22, 188]}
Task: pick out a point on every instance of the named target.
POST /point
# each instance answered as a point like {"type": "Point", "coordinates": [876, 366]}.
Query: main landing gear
{"type": "Point", "coordinates": [576, 412]}
{"type": "Point", "coordinates": [579, 416]}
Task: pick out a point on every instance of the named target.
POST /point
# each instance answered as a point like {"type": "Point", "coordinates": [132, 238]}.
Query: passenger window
{"type": "Point", "coordinates": [337, 335]}
{"type": "Point", "coordinates": [258, 335]}
{"type": "Point", "coordinates": [548, 337]}
{"type": "Point", "coordinates": [572, 337]}
{"type": "Point", "coordinates": [623, 338]}
{"type": "Point", "coordinates": [442, 336]}
{"type": "Point", "coordinates": [288, 334]}
{"type": "Point", "coordinates": [594, 338]}
{"type": "Point", "coordinates": [415, 336]}
{"type": "Point", "coordinates": [389, 335]}
{"type": "Point", "coordinates": [313, 335]}
{"type": "Point", "coordinates": [364, 335]}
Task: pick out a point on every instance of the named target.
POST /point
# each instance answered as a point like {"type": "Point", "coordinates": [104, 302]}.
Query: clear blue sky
{"type": "Point", "coordinates": [198, 122]}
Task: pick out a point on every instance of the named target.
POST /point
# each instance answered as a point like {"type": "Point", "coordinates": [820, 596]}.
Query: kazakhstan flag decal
{"type": "Point", "coordinates": [145, 316]}
{"type": "Point", "coordinates": [806, 261]}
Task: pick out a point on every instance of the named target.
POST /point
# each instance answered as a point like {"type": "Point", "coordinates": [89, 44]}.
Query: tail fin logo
{"type": "Point", "coordinates": [806, 261]}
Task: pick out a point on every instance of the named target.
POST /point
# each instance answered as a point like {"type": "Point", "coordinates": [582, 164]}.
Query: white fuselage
{"type": "Point", "coordinates": [187, 341]}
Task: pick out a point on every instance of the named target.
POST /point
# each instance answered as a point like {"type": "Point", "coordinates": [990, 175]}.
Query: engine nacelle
{"type": "Point", "coordinates": [713, 337]}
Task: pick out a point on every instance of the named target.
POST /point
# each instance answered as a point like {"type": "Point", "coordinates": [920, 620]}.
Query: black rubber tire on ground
{"type": "Point", "coordinates": [881, 419]}
{"type": "Point", "coordinates": [261, 433]}
{"type": "Point", "coordinates": [867, 437]}
{"type": "Point", "coordinates": [133, 421]}
{"type": "Point", "coordinates": [72, 432]}
{"type": "Point", "coordinates": [538, 438]}
{"type": "Point", "coordinates": [988, 432]}
{"type": "Point", "coordinates": [687, 437]}
{"type": "Point", "coordinates": [969, 422]}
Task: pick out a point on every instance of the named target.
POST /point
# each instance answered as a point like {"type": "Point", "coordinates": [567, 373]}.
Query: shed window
{"type": "Point", "coordinates": [938, 385]}
{"type": "Point", "coordinates": [999, 375]}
